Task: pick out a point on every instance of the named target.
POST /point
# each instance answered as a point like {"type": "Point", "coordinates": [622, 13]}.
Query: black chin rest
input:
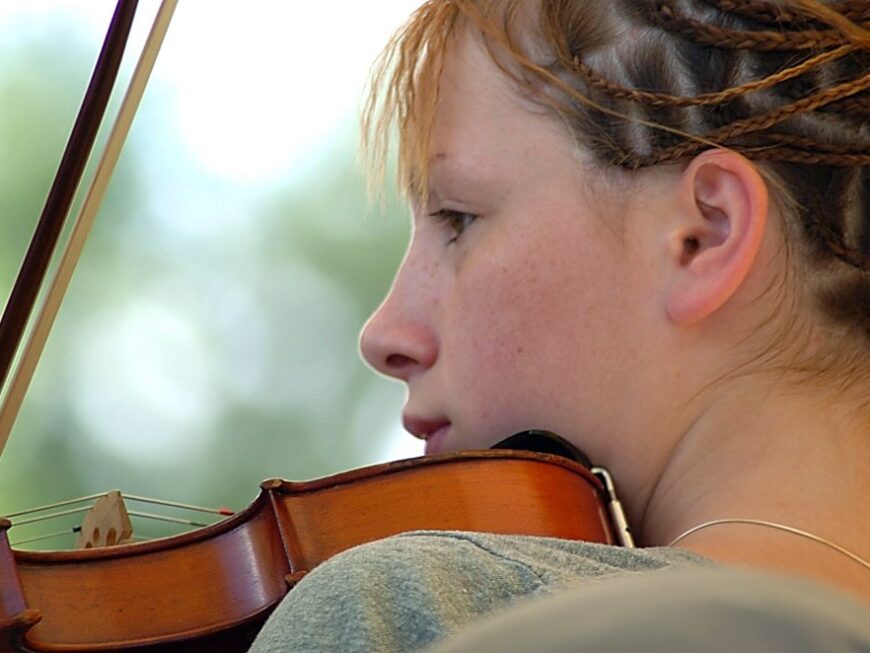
{"type": "Point", "coordinates": [538, 441]}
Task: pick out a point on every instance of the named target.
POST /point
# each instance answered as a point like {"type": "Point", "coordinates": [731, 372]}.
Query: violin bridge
{"type": "Point", "coordinates": [107, 523]}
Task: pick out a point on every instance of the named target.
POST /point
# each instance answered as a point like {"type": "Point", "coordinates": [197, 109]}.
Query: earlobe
{"type": "Point", "coordinates": [723, 207]}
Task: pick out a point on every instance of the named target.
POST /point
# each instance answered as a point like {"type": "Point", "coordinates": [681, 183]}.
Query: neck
{"type": "Point", "coordinates": [786, 457]}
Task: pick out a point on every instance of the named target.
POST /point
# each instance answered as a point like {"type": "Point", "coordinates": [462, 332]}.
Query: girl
{"type": "Point", "coordinates": [643, 225]}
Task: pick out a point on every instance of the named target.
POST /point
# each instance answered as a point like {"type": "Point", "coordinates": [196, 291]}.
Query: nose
{"type": "Point", "coordinates": [395, 343]}
{"type": "Point", "coordinates": [400, 340]}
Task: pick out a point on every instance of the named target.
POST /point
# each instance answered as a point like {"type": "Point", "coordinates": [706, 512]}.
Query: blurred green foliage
{"type": "Point", "coordinates": [209, 337]}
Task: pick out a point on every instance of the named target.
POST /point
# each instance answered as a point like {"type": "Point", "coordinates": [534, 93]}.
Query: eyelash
{"type": "Point", "coordinates": [457, 221]}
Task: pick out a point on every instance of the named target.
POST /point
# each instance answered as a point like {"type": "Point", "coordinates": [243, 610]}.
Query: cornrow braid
{"type": "Point", "coordinates": [792, 96]}
{"type": "Point", "coordinates": [620, 92]}
{"type": "Point", "coordinates": [829, 235]}
{"type": "Point", "coordinates": [668, 16]}
{"type": "Point", "coordinates": [846, 254]}
{"type": "Point", "coordinates": [788, 154]}
{"type": "Point", "coordinates": [857, 106]}
{"type": "Point", "coordinates": [758, 123]}
{"type": "Point", "coordinates": [753, 135]}
{"type": "Point", "coordinates": [777, 14]}
{"type": "Point", "coordinates": [813, 145]}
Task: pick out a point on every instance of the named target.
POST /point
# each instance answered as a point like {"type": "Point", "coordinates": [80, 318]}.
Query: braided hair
{"type": "Point", "coordinates": [648, 82]}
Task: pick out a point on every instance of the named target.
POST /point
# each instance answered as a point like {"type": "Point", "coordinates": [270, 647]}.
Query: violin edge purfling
{"type": "Point", "coordinates": [214, 583]}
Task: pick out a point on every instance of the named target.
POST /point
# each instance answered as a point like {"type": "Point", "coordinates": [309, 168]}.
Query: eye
{"type": "Point", "coordinates": [457, 221]}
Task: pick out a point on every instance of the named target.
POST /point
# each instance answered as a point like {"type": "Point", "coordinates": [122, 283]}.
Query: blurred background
{"type": "Point", "coordinates": [209, 338]}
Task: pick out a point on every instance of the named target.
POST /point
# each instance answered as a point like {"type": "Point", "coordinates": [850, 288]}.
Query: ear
{"type": "Point", "coordinates": [722, 215]}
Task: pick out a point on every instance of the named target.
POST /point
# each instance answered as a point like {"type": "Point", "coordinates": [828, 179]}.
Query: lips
{"type": "Point", "coordinates": [436, 440]}
{"type": "Point", "coordinates": [433, 431]}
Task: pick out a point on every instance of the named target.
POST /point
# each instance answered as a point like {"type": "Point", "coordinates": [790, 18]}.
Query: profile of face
{"type": "Point", "coordinates": [518, 305]}
{"type": "Point", "coordinates": [653, 315]}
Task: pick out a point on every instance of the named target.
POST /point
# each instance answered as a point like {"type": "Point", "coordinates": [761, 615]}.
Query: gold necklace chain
{"type": "Point", "coordinates": [782, 527]}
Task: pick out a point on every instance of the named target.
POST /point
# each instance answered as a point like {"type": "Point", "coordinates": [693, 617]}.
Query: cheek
{"type": "Point", "coordinates": [528, 331]}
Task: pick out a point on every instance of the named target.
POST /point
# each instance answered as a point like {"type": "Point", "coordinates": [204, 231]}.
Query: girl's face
{"type": "Point", "coordinates": [516, 306]}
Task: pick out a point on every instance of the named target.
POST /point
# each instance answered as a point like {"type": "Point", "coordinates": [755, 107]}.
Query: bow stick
{"type": "Point", "coordinates": [83, 223]}
{"type": "Point", "coordinates": [60, 197]}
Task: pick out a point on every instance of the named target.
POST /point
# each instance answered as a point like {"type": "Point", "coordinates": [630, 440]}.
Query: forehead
{"type": "Point", "coordinates": [469, 71]}
{"type": "Point", "coordinates": [481, 120]}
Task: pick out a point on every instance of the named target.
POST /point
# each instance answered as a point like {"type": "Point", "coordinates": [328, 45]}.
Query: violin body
{"type": "Point", "coordinates": [211, 589]}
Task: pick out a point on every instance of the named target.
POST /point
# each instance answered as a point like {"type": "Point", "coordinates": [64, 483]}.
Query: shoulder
{"type": "Point", "coordinates": [407, 591]}
{"type": "Point", "coordinates": [397, 594]}
{"type": "Point", "coordinates": [701, 610]}
{"type": "Point", "coordinates": [510, 564]}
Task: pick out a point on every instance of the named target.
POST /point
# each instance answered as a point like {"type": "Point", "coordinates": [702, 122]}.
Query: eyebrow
{"type": "Point", "coordinates": [437, 160]}
{"type": "Point", "coordinates": [410, 188]}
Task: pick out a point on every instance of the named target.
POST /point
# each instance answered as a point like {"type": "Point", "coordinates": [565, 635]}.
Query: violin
{"type": "Point", "coordinates": [212, 588]}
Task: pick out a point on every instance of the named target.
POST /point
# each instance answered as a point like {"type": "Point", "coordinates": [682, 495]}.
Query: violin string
{"type": "Point", "coordinates": [59, 504]}
{"type": "Point", "coordinates": [75, 530]}
{"type": "Point", "coordinates": [226, 512]}
{"type": "Point", "coordinates": [132, 513]}
{"type": "Point", "coordinates": [39, 538]}
{"type": "Point", "coordinates": [166, 518]}
{"type": "Point", "coordinates": [52, 515]}
{"type": "Point", "coordinates": [223, 511]}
